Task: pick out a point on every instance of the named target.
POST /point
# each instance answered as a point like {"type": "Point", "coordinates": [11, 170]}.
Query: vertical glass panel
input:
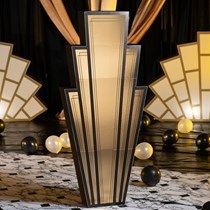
{"type": "Point", "coordinates": [34, 107]}
{"type": "Point", "coordinates": [9, 90]}
{"type": "Point", "coordinates": [15, 106]}
{"type": "Point", "coordinates": [204, 40]}
{"type": "Point", "coordinates": [196, 112]}
{"type": "Point", "coordinates": [83, 78]}
{"type": "Point", "coordinates": [173, 69]}
{"type": "Point", "coordinates": [189, 56]}
{"type": "Point", "coordinates": [187, 109]}
{"type": "Point", "coordinates": [3, 108]}
{"type": "Point", "coordinates": [108, 5]}
{"type": "Point", "coordinates": [156, 108]}
{"type": "Point", "coordinates": [106, 39]}
{"type": "Point", "coordinates": [180, 90]}
{"type": "Point", "coordinates": [205, 95]}
{"type": "Point", "coordinates": [27, 88]}
{"type": "Point", "coordinates": [137, 109]}
{"type": "Point", "coordinates": [129, 82]}
{"type": "Point", "coordinates": [174, 106]}
{"type": "Point", "coordinates": [21, 116]}
{"type": "Point", "coordinates": [204, 72]}
{"type": "Point", "coordinates": [193, 83]}
{"type": "Point", "coordinates": [16, 68]}
{"type": "Point", "coordinates": [1, 80]}
{"type": "Point", "coordinates": [168, 116]}
{"type": "Point", "coordinates": [75, 107]}
{"type": "Point", "coordinates": [160, 86]}
{"type": "Point", "coordinates": [5, 51]}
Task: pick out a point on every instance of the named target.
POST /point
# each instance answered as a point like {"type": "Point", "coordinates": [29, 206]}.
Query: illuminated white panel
{"type": "Point", "coordinates": [15, 106]}
{"type": "Point", "coordinates": [204, 40]}
{"type": "Point", "coordinates": [205, 72]}
{"type": "Point", "coordinates": [160, 88]}
{"type": "Point", "coordinates": [196, 112]}
{"type": "Point", "coordinates": [156, 107]}
{"type": "Point", "coordinates": [21, 116]}
{"type": "Point", "coordinates": [174, 107]}
{"type": "Point", "coordinates": [181, 91]}
{"type": "Point", "coordinates": [27, 88]}
{"type": "Point", "coordinates": [8, 90]}
{"type": "Point", "coordinates": [3, 107]}
{"type": "Point", "coordinates": [4, 52]}
{"type": "Point", "coordinates": [168, 116]}
{"type": "Point", "coordinates": [187, 109]}
{"type": "Point", "coordinates": [205, 104]}
{"type": "Point", "coordinates": [33, 107]}
{"type": "Point", "coordinates": [16, 68]}
{"type": "Point", "coordinates": [173, 68]}
{"type": "Point", "coordinates": [193, 87]}
{"type": "Point", "coordinates": [189, 55]}
{"type": "Point", "coordinates": [1, 80]}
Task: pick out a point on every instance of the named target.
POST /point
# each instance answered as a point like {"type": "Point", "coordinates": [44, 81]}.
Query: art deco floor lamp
{"type": "Point", "coordinates": [104, 112]}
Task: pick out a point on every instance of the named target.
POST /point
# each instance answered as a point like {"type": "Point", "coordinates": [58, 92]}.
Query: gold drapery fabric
{"type": "Point", "coordinates": [57, 13]}
{"type": "Point", "coordinates": [145, 16]}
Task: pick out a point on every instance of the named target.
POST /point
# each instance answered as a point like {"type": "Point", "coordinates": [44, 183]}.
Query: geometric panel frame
{"type": "Point", "coordinates": [104, 112]}
{"type": "Point", "coordinates": [184, 90]}
{"type": "Point", "coordinates": [18, 101]}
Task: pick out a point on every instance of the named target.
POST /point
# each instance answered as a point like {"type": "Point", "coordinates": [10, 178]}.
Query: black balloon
{"type": "Point", "coordinates": [203, 141]}
{"type": "Point", "coordinates": [146, 121]}
{"type": "Point", "coordinates": [170, 137]}
{"type": "Point", "coordinates": [2, 126]}
{"type": "Point", "coordinates": [206, 206]}
{"type": "Point", "coordinates": [150, 175]}
{"type": "Point", "coordinates": [29, 145]}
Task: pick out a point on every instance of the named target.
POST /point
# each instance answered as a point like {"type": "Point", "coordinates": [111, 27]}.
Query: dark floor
{"type": "Point", "coordinates": [184, 156]}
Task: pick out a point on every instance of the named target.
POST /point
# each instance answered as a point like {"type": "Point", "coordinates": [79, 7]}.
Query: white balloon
{"type": "Point", "coordinates": [65, 140]}
{"type": "Point", "coordinates": [143, 151]}
{"type": "Point", "coordinates": [185, 126]}
{"type": "Point", "coordinates": [53, 144]}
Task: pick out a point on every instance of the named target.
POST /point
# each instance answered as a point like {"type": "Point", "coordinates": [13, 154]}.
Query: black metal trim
{"type": "Point", "coordinates": [75, 147]}
{"type": "Point", "coordinates": [144, 88]}
{"type": "Point", "coordinates": [138, 48]}
{"type": "Point", "coordinates": [82, 116]}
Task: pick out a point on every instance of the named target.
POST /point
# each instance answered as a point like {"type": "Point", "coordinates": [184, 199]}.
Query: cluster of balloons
{"type": "Point", "coordinates": [171, 136]}
{"type": "Point", "coordinates": [150, 175]}
{"type": "Point", "coordinates": [54, 143]}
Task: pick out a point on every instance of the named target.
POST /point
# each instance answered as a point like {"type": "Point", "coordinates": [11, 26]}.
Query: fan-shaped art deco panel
{"type": "Point", "coordinates": [103, 113]}
{"type": "Point", "coordinates": [184, 91]}
{"type": "Point", "coordinates": [17, 90]}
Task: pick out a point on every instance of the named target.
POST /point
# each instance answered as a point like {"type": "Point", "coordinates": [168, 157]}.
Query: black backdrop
{"type": "Point", "coordinates": [25, 24]}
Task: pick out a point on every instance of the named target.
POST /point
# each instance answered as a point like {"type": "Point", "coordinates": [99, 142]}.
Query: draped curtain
{"type": "Point", "coordinates": [145, 16]}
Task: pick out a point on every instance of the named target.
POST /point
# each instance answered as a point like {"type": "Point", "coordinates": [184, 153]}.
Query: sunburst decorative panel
{"type": "Point", "coordinates": [184, 90]}
{"type": "Point", "coordinates": [17, 90]}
